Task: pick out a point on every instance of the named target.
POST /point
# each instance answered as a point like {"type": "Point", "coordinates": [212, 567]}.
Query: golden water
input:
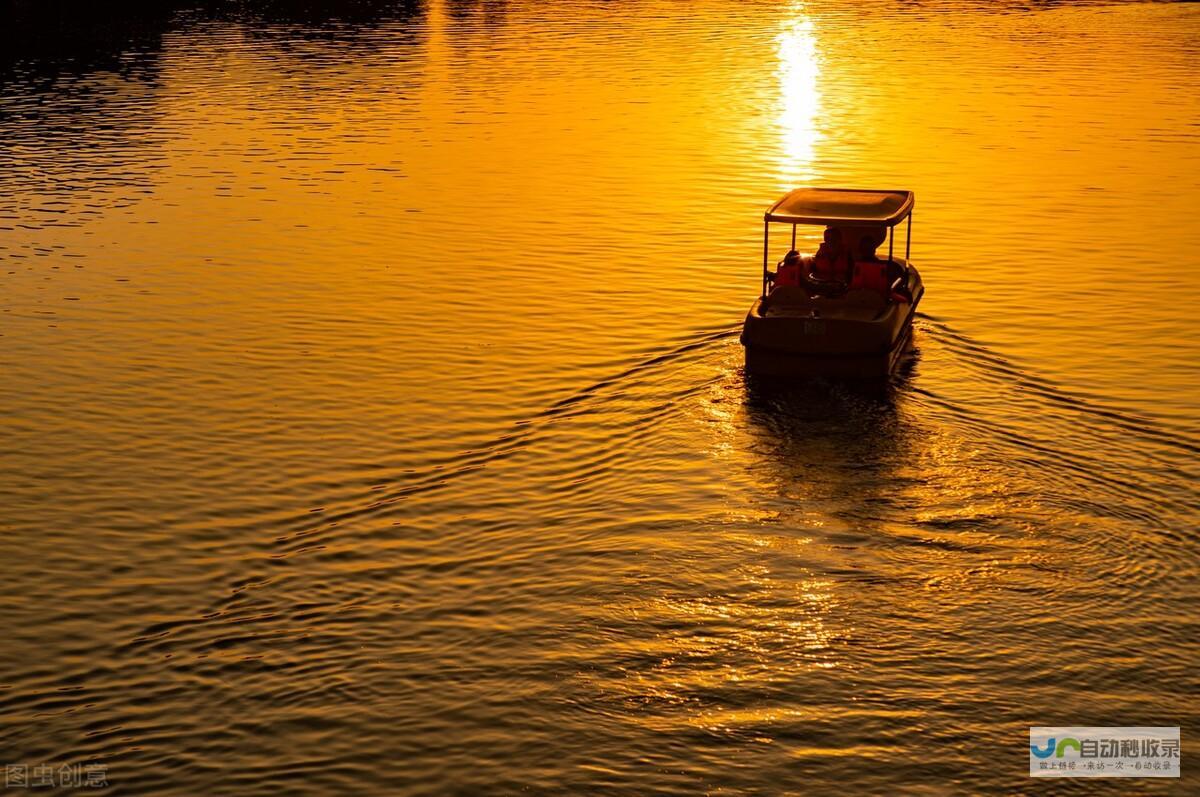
{"type": "Point", "coordinates": [373, 416]}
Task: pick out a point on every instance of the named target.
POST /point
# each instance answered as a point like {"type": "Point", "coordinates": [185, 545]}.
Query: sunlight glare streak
{"type": "Point", "coordinates": [800, 99]}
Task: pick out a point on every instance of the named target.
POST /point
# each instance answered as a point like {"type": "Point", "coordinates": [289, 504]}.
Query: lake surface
{"type": "Point", "coordinates": [374, 422]}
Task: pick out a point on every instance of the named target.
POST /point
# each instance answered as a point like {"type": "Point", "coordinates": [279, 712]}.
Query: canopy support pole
{"type": "Point", "coordinates": [766, 229]}
{"type": "Point", "coordinates": [793, 236]}
{"type": "Point", "coordinates": [891, 243]}
{"type": "Point", "coordinates": [908, 239]}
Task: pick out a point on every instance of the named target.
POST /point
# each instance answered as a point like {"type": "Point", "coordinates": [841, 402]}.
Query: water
{"type": "Point", "coordinates": [374, 421]}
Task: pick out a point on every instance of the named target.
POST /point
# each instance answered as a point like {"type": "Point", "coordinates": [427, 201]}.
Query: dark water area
{"type": "Point", "coordinates": [374, 418]}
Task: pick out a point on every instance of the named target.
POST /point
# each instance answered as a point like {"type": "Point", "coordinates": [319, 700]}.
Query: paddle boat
{"type": "Point", "coordinates": [842, 312]}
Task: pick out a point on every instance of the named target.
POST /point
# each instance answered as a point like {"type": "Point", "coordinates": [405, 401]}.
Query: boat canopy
{"type": "Point", "coordinates": [842, 206]}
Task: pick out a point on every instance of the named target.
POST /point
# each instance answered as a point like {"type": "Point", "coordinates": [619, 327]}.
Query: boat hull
{"type": "Point", "coordinates": [834, 338]}
{"type": "Point", "coordinates": [763, 361]}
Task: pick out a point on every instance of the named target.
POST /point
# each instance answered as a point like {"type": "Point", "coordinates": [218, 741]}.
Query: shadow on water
{"type": "Point", "coordinates": [56, 36]}
{"type": "Point", "coordinates": [834, 444]}
{"type": "Point", "coordinates": [99, 143]}
{"type": "Point", "coordinates": [52, 37]}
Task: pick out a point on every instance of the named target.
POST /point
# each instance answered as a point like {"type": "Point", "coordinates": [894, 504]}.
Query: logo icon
{"type": "Point", "coordinates": [1055, 750]}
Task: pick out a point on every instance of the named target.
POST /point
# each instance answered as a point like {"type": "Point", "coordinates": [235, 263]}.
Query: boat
{"type": "Point", "coordinates": [830, 320]}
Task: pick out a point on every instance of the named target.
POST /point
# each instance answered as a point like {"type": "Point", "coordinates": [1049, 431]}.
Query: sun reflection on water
{"type": "Point", "coordinates": [800, 98]}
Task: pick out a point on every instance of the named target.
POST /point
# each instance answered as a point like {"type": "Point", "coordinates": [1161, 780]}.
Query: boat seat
{"type": "Point", "coordinates": [788, 300]}
{"type": "Point", "coordinates": [865, 299]}
{"type": "Point", "coordinates": [789, 295]}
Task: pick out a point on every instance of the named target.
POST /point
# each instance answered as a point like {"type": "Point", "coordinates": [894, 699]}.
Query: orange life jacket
{"type": "Point", "coordinates": [826, 266]}
{"type": "Point", "coordinates": [788, 274]}
{"type": "Point", "coordinates": [871, 275]}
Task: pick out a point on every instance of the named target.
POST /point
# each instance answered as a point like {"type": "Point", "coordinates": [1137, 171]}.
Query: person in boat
{"type": "Point", "coordinates": [831, 262]}
{"type": "Point", "coordinates": [789, 272]}
{"type": "Point", "coordinates": [873, 274]}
